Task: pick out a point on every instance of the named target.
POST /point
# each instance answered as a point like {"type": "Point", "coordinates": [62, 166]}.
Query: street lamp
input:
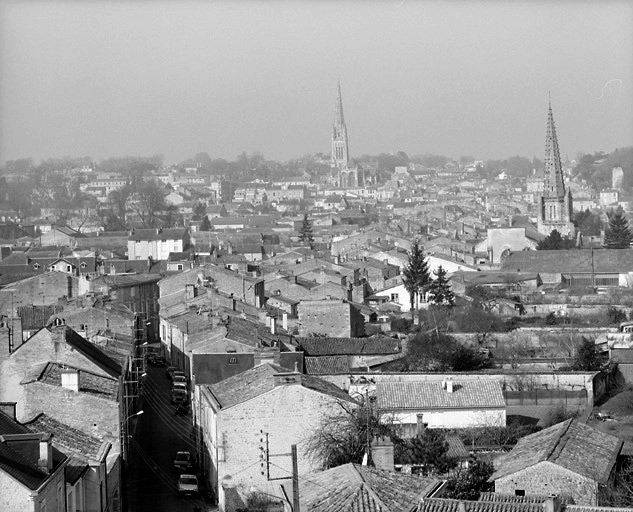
{"type": "Point", "coordinates": [125, 434]}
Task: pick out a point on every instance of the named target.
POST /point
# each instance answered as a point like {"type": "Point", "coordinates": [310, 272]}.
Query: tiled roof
{"type": "Point", "coordinates": [571, 445]}
{"type": "Point", "coordinates": [450, 505]}
{"type": "Point", "coordinates": [356, 488]}
{"type": "Point", "coordinates": [21, 461]}
{"type": "Point", "coordinates": [74, 470]}
{"type": "Point", "coordinates": [349, 346]}
{"type": "Point", "coordinates": [36, 317]}
{"type": "Point", "coordinates": [259, 380]}
{"type": "Point", "coordinates": [103, 387]}
{"type": "Point", "coordinates": [431, 395]}
{"type": "Point", "coordinates": [327, 365]}
{"type": "Point", "coordinates": [573, 260]}
{"type": "Point", "coordinates": [68, 438]}
{"type": "Point", "coordinates": [456, 448]}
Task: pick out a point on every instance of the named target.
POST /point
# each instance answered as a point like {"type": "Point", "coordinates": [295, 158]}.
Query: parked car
{"type": "Point", "coordinates": [169, 372]}
{"type": "Point", "coordinates": [188, 484]}
{"type": "Point", "coordinates": [182, 409]}
{"type": "Point", "coordinates": [182, 461]}
{"type": "Point", "coordinates": [181, 386]}
{"type": "Point", "coordinates": [156, 361]}
{"type": "Point", "coordinates": [180, 379]}
{"type": "Point", "coordinates": [178, 396]}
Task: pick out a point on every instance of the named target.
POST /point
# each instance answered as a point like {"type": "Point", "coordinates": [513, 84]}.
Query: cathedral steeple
{"type": "Point", "coordinates": [554, 185]}
{"type": "Point", "coordinates": [555, 207]}
{"type": "Point", "coordinates": [340, 149]}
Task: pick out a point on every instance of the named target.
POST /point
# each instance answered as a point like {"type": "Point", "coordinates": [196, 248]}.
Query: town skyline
{"type": "Point", "coordinates": [118, 79]}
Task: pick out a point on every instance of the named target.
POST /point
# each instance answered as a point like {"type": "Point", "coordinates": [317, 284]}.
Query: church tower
{"type": "Point", "coordinates": [555, 207]}
{"type": "Point", "coordinates": [343, 174]}
{"type": "Point", "coordinates": [340, 149]}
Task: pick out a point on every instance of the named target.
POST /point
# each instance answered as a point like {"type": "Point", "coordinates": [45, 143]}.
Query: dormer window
{"type": "Point", "coordinates": [36, 266]}
{"type": "Point", "coordinates": [83, 265]}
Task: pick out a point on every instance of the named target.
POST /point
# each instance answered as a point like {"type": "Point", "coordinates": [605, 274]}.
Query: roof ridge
{"type": "Point", "coordinates": [559, 445]}
{"type": "Point", "coordinates": [365, 485]}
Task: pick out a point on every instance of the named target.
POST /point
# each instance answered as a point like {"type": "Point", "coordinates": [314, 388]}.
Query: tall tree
{"type": "Point", "coordinates": [440, 290]}
{"type": "Point", "coordinates": [618, 234]}
{"type": "Point", "coordinates": [415, 275]}
{"type": "Point", "coordinates": [429, 450]}
{"type": "Point", "coordinates": [205, 225]}
{"type": "Point", "coordinates": [305, 233]}
{"type": "Point", "coordinates": [466, 484]}
{"type": "Point", "coordinates": [555, 242]}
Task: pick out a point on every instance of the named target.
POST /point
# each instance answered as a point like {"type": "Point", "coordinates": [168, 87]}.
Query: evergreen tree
{"type": "Point", "coordinates": [415, 276]}
{"type": "Point", "coordinates": [555, 242]}
{"type": "Point", "coordinates": [430, 450]}
{"type": "Point", "coordinates": [205, 225]}
{"type": "Point", "coordinates": [305, 233]}
{"type": "Point", "coordinates": [467, 484]}
{"type": "Point", "coordinates": [440, 290]}
{"type": "Point", "coordinates": [618, 234]}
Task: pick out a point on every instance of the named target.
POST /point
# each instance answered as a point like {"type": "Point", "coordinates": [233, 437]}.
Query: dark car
{"type": "Point", "coordinates": [182, 461]}
{"type": "Point", "coordinates": [182, 409]}
{"type": "Point", "coordinates": [156, 361]}
{"type": "Point", "coordinates": [178, 396]}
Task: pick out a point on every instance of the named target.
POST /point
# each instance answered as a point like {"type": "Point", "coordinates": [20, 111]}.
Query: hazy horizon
{"type": "Point", "coordinates": [106, 79]}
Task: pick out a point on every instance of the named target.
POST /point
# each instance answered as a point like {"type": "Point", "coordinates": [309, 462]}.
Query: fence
{"type": "Point", "coordinates": [546, 397]}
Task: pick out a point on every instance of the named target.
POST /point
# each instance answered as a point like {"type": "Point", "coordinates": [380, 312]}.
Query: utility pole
{"type": "Point", "coordinates": [295, 479]}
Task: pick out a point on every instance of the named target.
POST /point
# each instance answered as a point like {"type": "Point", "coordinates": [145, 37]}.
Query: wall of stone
{"type": "Point", "coordinates": [546, 478]}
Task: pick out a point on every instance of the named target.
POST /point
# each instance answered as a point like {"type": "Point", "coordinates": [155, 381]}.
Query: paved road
{"type": "Point", "coordinates": [159, 435]}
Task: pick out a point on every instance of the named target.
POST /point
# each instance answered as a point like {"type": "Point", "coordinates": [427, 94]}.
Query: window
{"type": "Point", "coordinates": [179, 266]}
{"type": "Point", "coordinates": [83, 265]}
{"type": "Point", "coordinates": [232, 360]}
{"type": "Point", "coordinates": [394, 297]}
{"type": "Point", "coordinates": [68, 268]}
{"type": "Point", "coordinates": [519, 492]}
{"type": "Point", "coordinates": [36, 266]}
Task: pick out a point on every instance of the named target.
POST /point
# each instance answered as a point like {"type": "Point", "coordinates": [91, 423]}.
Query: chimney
{"type": "Point", "coordinates": [448, 385]}
{"type": "Point", "coordinates": [45, 461]}
{"type": "Point", "coordinates": [268, 321]}
{"type": "Point", "coordinates": [382, 453]}
{"type": "Point", "coordinates": [420, 424]}
{"type": "Point", "coordinates": [149, 263]}
{"type": "Point", "coordinates": [284, 321]}
{"type": "Point", "coordinates": [552, 504]}
{"type": "Point", "coordinates": [70, 379]}
{"type": "Point", "coordinates": [9, 409]}
{"type": "Point", "coordinates": [273, 325]}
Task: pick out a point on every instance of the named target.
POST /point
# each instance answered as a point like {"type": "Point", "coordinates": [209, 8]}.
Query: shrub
{"type": "Point", "coordinates": [615, 315]}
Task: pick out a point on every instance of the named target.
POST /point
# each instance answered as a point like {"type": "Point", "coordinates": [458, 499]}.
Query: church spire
{"type": "Point", "coordinates": [554, 185]}
{"type": "Point", "coordinates": [339, 119]}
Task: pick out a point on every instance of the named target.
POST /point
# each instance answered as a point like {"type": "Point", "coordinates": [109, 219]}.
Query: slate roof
{"type": "Point", "coordinates": [349, 346]}
{"type": "Point", "coordinates": [571, 445]}
{"type": "Point", "coordinates": [327, 365]}
{"type": "Point", "coordinates": [573, 260]}
{"type": "Point", "coordinates": [103, 387]}
{"type": "Point", "coordinates": [431, 395]}
{"type": "Point", "coordinates": [68, 438]}
{"type": "Point", "coordinates": [91, 352]}
{"type": "Point", "coordinates": [260, 379]}
{"type": "Point", "coordinates": [357, 488]}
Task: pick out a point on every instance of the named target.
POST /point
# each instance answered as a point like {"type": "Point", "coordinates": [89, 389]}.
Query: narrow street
{"type": "Point", "coordinates": [159, 435]}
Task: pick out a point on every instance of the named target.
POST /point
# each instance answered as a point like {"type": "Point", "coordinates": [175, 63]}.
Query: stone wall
{"type": "Point", "coordinates": [546, 478]}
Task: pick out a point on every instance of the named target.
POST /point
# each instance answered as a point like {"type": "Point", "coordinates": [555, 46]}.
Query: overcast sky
{"type": "Point", "coordinates": [105, 78]}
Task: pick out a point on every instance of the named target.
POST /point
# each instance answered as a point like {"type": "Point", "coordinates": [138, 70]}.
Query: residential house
{"type": "Point", "coordinates": [445, 404]}
{"type": "Point", "coordinates": [86, 472]}
{"type": "Point", "coordinates": [261, 413]}
{"type": "Point", "coordinates": [32, 470]}
{"type": "Point", "coordinates": [157, 243]}
{"type": "Point", "coordinates": [570, 459]}
{"type": "Point", "coordinates": [573, 267]}
{"type": "Point", "coordinates": [60, 236]}
{"type": "Point", "coordinates": [336, 318]}
{"type": "Point", "coordinates": [326, 356]}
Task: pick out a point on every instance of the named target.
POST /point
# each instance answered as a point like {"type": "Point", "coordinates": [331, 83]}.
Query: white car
{"type": "Point", "coordinates": [188, 484]}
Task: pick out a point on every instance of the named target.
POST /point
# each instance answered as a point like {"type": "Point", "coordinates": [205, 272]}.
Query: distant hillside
{"type": "Point", "coordinates": [596, 168]}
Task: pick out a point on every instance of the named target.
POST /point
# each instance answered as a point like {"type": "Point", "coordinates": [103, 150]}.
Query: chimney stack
{"type": "Point", "coordinates": [284, 321]}
{"type": "Point", "coordinates": [70, 379]}
{"type": "Point", "coordinates": [420, 424]}
{"type": "Point", "coordinates": [382, 453]}
{"type": "Point", "coordinates": [45, 461]}
{"type": "Point", "coordinates": [273, 325]}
